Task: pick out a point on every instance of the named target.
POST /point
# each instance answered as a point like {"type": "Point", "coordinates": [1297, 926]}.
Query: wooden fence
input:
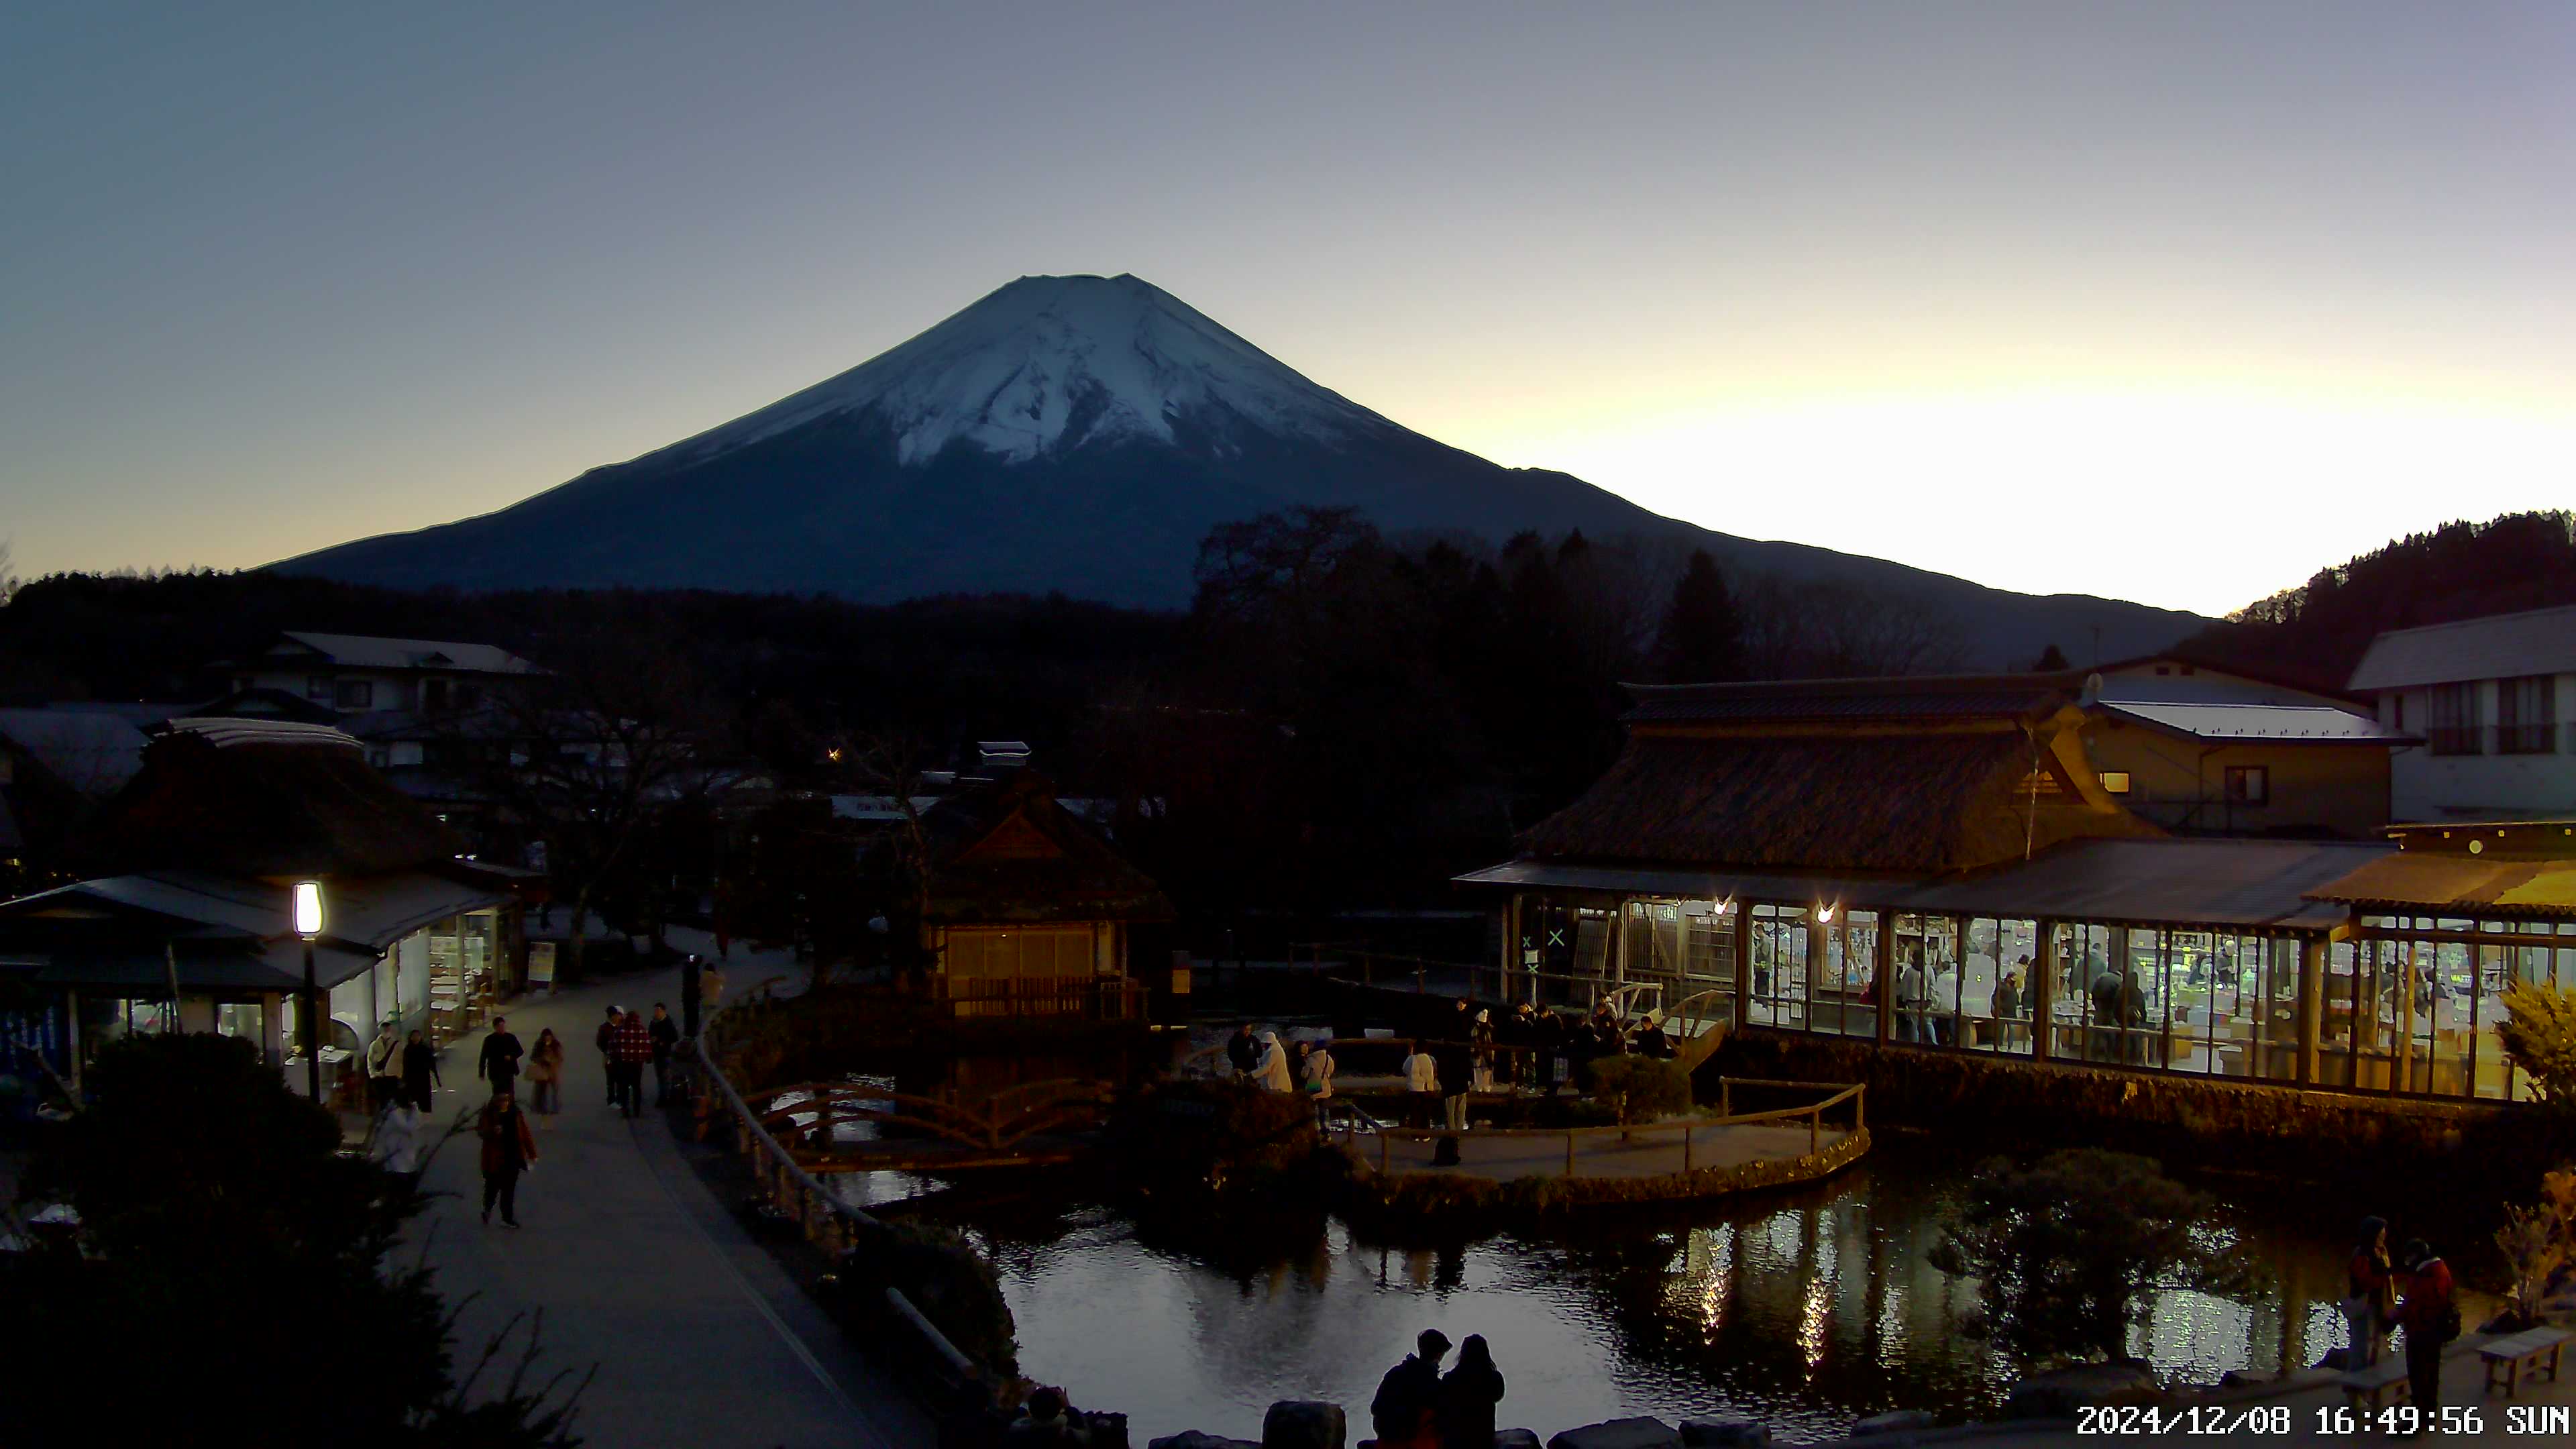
{"type": "Point", "coordinates": [1351, 1123]}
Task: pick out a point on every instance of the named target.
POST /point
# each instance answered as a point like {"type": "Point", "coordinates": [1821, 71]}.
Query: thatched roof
{"type": "Point", "coordinates": [261, 802]}
{"type": "Point", "coordinates": [1927, 802]}
{"type": "Point", "coordinates": [1899, 699]}
{"type": "Point", "coordinates": [1008, 853]}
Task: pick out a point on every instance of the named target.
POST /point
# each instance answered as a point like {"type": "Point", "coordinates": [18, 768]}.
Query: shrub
{"type": "Point", "coordinates": [2537, 1240]}
{"type": "Point", "coordinates": [2069, 1251]}
{"type": "Point", "coordinates": [2539, 1034]}
{"type": "Point", "coordinates": [1638, 1089]}
{"type": "Point", "coordinates": [952, 1285]}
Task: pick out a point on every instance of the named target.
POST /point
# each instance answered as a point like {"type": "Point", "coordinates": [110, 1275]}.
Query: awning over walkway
{"type": "Point", "coordinates": [2256, 883]}
{"type": "Point", "coordinates": [1718, 884]}
{"type": "Point", "coordinates": [2242, 883]}
{"type": "Point", "coordinates": [2461, 885]}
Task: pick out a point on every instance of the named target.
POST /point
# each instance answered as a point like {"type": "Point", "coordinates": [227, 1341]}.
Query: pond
{"type": "Point", "coordinates": [1808, 1308]}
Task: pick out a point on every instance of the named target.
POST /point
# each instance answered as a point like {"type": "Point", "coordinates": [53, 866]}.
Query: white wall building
{"type": "Point", "coordinates": [2495, 701]}
{"type": "Point", "coordinates": [355, 674]}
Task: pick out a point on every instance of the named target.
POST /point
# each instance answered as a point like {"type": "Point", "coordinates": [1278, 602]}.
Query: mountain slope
{"type": "Point", "coordinates": [1081, 435]}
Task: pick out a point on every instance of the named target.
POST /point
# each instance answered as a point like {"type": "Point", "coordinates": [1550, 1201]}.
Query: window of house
{"type": "Point", "coordinates": [433, 694]}
{"type": "Point", "coordinates": [2115, 782]}
{"type": "Point", "coordinates": [2397, 711]}
{"type": "Point", "coordinates": [2526, 714]}
{"type": "Point", "coordinates": [2453, 719]}
{"type": "Point", "coordinates": [2249, 784]}
{"type": "Point", "coordinates": [357, 694]}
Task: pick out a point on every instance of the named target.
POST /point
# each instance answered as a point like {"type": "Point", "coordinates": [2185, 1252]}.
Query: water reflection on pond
{"type": "Point", "coordinates": [1810, 1309]}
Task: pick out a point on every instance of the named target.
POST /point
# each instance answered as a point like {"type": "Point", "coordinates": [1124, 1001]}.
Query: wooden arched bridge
{"type": "Point", "coordinates": [1029, 1124]}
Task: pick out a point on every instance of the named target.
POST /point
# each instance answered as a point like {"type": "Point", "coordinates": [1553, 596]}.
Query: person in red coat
{"type": "Point", "coordinates": [630, 1046]}
{"type": "Point", "coordinates": [509, 1148]}
{"type": "Point", "coordinates": [2431, 1317]}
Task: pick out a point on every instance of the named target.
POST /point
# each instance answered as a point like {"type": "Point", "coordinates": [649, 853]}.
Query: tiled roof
{"type": "Point", "coordinates": [361, 651]}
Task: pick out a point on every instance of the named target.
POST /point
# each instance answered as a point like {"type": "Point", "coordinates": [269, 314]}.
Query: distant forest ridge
{"type": "Point", "coordinates": [2315, 633]}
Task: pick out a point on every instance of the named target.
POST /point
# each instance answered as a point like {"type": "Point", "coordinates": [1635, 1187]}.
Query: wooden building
{"type": "Point", "coordinates": [1026, 909]}
{"type": "Point", "coordinates": [1935, 864]}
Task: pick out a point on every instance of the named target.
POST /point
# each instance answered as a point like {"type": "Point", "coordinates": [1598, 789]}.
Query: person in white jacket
{"type": "Point", "coordinates": [1272, 1074]}
{"type": "Point", "coordinates": [1421, 1086]}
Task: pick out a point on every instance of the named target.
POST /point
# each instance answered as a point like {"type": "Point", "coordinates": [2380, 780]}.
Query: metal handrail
{"type": "Point", "coordinates": [1814, 1113]}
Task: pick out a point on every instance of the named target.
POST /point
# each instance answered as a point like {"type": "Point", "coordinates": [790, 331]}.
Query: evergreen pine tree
{"type": "Point", "coordinates": [1701, 639]}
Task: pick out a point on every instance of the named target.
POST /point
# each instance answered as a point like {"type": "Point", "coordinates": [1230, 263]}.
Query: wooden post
{"type": "Point", "coordinates": [2312, 987]}
{"type": "Point", "coordinates": [1743, 962]}
{"type": "Point", "coordinates": [1815, 1128]}
{"type": "Point", "coordinates": [2043, 990]}
{"type": "Point", "coordinates": [1860, 1102]}
{"type": "Point", "coordinates": [1723, 1093]}
{"type": "Point", "coordinates": [1569, 1152]}
{"type": "Point", "coordinates": [1381, 1151]}
{"type": "Point", "coordinates": [1882, 994]}
{"type": "Point", "coordinates": [1686, 1147]}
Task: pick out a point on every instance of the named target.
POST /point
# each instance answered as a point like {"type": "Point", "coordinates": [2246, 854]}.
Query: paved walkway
{"type": "Point", "coordinates": [699, 1336]}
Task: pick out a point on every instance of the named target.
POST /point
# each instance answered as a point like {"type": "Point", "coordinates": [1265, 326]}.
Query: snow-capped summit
{"type": "Point", "coordinates": [1046, 365]}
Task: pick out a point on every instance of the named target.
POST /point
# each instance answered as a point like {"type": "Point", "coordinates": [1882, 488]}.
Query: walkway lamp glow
{"type": "Point", "coordinates": [308, 924]}
{"type": "Point", "coordinates": [1824, 914]}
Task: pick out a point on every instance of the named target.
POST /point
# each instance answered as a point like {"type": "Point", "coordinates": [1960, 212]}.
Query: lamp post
{"type": "Point", "coordinates": [308, 924]}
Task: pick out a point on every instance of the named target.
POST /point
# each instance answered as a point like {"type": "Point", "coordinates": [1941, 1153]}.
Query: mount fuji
{"type": "Point", "coordinates": [1081, 435]}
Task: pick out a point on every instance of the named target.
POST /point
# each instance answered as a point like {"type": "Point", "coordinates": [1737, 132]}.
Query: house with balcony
{"type": "Point", "coordinates": [2492, 699]}
{"type": "Point", "coordinates": [2204, 751]}
{"type": "Point", "coordinates": [355, 674]}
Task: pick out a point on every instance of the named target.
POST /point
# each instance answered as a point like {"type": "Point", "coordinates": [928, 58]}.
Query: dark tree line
{"type": "Point", "coordinates": [1340, 718]}
{"type": "Point", "coordinates": [2317, 632]}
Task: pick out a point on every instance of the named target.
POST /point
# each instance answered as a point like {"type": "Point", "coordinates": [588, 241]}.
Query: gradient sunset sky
{"type": "Point", "coordinates": [2172, 301]}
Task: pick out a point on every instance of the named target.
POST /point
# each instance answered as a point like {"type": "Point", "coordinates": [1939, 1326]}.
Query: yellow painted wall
{"type": "Point", "coordinates": [2341, 789]}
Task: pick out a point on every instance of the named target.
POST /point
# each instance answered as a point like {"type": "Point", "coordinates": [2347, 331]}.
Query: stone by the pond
{"type": "Point", "coordinates": [1516, 1439]}
{"type": "Point", "coordinates": [2059, 1393]}
{"type": "Point", "coordinates": [1637, 1433]}
{"type": "Point", "coordinates": [1724, 1433]}
{"type": "Point", "coordinates": [1303, 1424]}
{"type": "Point", "coordinates": [1896, 1422]}
{"type": "Point", "coordinates": [1195, 1439]}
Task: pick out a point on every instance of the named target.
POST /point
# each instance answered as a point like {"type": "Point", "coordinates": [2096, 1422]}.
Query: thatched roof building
{"type": "Point", "coordinates": [1913, 777]}
{"type": "Point", "coordinates": [261, 799]}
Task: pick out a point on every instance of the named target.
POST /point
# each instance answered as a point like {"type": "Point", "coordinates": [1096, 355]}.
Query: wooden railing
{"type": "Point", "coordinates": [1813, 1112]}
{"type": "Point", "coordinates": [1086, 998]}
{"type": "Point", "coordinates": [1000, 1123]}
{"type": "Point", "coordinates": [820, 1215]}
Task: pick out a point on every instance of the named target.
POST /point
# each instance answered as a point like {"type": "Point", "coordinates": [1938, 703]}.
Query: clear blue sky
{"type": "Point", "coordinates": [2173, 300]}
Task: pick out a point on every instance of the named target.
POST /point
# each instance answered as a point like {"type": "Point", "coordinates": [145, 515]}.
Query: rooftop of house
{"type": "Point", "coordinates": [2499, 646]}
{"type": "Point", "coordinates": [362, 651]}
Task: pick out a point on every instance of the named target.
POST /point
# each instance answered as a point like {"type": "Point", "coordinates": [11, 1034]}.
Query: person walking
{"type": "Point", "coordinates": [1272, 1074]}
{"type": "Point", "coordinates": [666, 1039]}
{"type": "Point", "coordinates": [1455, 1064]}
{"type": "Point", "coordinates": [384, 1069]}
{"type": "Point", "coordinates": [499, 1061]}
{"type": "Point", "coordinates": [606, 1038]}
{"type": "Point", "coordinates": [545, 1073]}
{"type": "Point", "coordinates": [1468, 1394]}
{"type": "Point", "coordinates": [420, 1070]}
{"type": "Point", "coordinates": [1405, 1411]}
{"type": "Point", "coordinates": [2370, 1307]}
{"type": "Point", "coordinates": [509, 1148]}
{"type": "Point", "coordinates": [632, 1047]}
{"type": "Point", "coordinates": [2431, 1317]}
{"type": "Point", "coordinates": [1482, 1036]}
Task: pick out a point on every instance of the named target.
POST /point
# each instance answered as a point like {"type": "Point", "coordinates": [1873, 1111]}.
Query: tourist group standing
{"type": "Point", "coordinates": [1419, 1407]}
{"type": "Point", "coordinates": [2429, 1311]}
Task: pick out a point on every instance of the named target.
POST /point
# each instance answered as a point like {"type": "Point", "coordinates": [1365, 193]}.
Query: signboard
{"type": "Point", "coordinates": [541, 964]}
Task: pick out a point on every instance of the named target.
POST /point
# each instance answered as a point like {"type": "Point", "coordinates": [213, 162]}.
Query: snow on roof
{"type": "Point", "coordinates": [2322, 723]}
{"type": "Point", "coordinates": [361, 651]}
{"type": "Point", "coordinates": [225, 733]}
{"type": "Point", "coordinates": [1047, 364]}
{"type": "Point", "coordinates": [94, 754]}
{"type": "Point", "coordinates": [2500, 646]}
